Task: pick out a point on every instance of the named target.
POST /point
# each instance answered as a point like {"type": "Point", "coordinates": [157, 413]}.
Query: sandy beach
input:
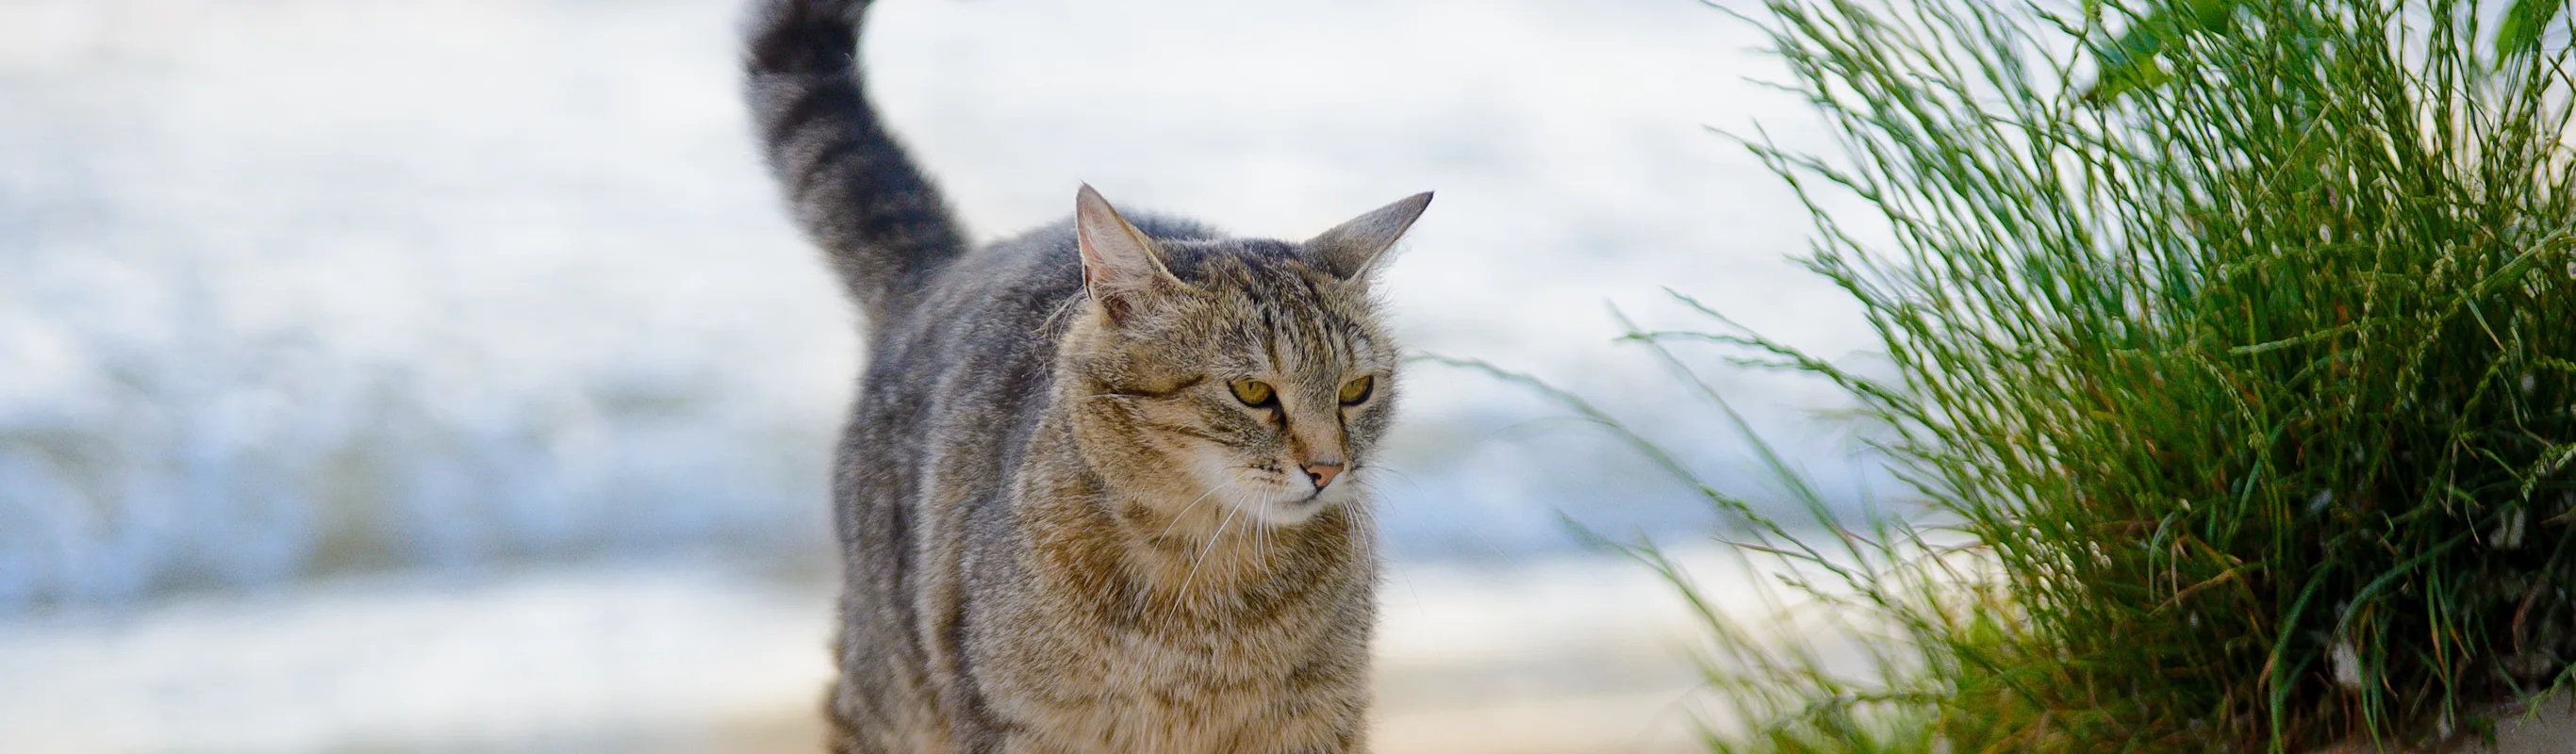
{"type": "Point", "coordinates": [697, 656]}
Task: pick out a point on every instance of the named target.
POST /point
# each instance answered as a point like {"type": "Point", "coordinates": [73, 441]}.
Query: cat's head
{"type": "Point", "coordinates": [1254, 383]}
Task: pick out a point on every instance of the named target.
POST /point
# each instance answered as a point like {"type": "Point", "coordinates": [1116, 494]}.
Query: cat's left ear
{"type": "Point", "coordinates": [1352, 249]}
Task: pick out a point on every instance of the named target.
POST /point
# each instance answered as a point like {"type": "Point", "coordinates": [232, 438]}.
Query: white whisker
{"type": "Point", "coordinates": [1211, 547]}
{"type": "Point", "coordinates": [1260, 538]}
{"type": "Point", "coordinates": [1399, 475]}
{"type": "Point", "coordinates": [1185, 510]}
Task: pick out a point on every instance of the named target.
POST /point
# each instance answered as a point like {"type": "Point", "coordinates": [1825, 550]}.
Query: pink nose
{"type": "Point", "coordinates": [1322, 473]}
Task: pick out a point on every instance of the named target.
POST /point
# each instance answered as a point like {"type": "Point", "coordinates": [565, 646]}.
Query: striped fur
{"type": "Point", "coordinates": [852, 188]}
{"type": "Point", "coordinates": [1064, 529]}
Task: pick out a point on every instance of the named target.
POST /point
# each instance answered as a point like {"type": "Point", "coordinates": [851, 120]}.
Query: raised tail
{"type": "Point", "coordinates": [857, 194]}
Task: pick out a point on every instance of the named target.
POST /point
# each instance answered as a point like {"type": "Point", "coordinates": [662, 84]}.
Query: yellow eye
{"type": "Point", "coordinates": [1254, 393]}
{"type": "Point", "coordinates": [1357, 391]}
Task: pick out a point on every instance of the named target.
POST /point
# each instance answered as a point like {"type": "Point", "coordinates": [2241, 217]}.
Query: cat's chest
{"type": "Point", "coordinates": [1282, 686]}
{"type": "Point", "coordinates": [1222, 697]}
{"type": "Point", "coordinates": [1212, 664]}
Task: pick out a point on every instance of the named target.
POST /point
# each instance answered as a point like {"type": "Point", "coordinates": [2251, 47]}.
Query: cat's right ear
{"type": "Point", "coordinates": [1121, 267]}
{"type": "Point", "coordinates": [1350, 250]}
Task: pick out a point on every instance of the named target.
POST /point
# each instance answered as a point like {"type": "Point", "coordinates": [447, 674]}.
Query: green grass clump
{"type": "Point", "coordinates": [2232, 346]}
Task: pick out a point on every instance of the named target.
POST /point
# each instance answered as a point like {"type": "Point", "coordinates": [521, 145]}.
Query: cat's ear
{"type": "Point", "coordinates": [1121, 267]}
{"type": "Point", "coordinates": [1352, 249]}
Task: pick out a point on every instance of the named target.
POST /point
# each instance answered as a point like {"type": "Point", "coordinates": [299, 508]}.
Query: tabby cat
{"type": "Point", "coordinates": [1102, 489]}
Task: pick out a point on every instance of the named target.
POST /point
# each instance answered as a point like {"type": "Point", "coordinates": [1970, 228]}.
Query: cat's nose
{"type": "Point", "coordinates": [1322, 473]}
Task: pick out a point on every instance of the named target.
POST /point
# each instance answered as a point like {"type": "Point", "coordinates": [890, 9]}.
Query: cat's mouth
{"type": "Point", "coordinates": [1269, 492]}
{"type": "Point", "coordinates": [1310, 496]}
{"type": "Point", "coordinates": [1291, 505]}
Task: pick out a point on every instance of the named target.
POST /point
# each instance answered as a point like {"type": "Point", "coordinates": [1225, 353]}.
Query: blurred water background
{"type": "Point", "coordinates": [323, 308]}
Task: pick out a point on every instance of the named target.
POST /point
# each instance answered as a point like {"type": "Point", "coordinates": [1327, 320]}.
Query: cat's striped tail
{"type": "Point", "coordinates": [857, 194]}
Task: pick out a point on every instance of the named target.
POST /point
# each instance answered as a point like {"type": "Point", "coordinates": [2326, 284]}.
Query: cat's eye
{"type": "Point", "coordinates": [1357, 391]}
{"type": "Point", "coordinates": [1254, 393]}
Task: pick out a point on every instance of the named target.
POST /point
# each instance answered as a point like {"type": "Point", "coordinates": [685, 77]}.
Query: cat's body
{"type": "Point", "coordinates": [1066, 503]}
{"type": "Point", "coordinates": [955, 417]}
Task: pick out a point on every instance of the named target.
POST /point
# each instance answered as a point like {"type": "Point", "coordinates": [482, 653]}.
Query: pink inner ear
{"type": "Point", "coordinates": [1113, 301]}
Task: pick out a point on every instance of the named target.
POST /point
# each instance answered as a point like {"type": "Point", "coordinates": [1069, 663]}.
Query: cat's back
{"type": "Point", "coordinates": [1004, 305]}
